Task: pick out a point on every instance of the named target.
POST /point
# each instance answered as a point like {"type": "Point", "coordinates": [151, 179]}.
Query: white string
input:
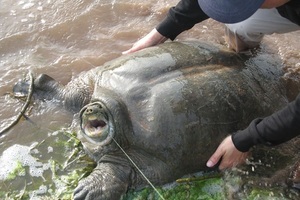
{"type": "Point", "coordinates": [139, 170]}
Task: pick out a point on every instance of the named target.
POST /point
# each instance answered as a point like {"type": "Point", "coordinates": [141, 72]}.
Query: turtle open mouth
{"type": "Point", "coordinates": [94, 127]}
{"type": "Point", "coordinates": [97, 123]}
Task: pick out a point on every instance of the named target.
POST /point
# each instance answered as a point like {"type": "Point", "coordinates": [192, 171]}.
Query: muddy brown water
{"type": "Point", "coordinates": [64, 38]}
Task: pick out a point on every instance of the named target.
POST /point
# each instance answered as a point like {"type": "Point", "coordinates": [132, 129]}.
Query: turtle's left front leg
{"type": "Point", "coordinates": [107, 181]}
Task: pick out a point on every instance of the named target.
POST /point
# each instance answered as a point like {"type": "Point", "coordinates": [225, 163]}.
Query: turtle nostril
{"type": "Point", "coordinates": [89, 111]}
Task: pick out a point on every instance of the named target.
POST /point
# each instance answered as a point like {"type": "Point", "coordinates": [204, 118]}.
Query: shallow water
{"type": "Point", "coordinates": [64, 38]}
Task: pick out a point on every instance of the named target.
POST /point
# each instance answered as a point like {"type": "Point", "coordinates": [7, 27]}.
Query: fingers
{"type": "Point", "coordinates": [231, 157]}
{"type": "Point", "coordinates": [214, 159]}
{"type": "Point", "coordinates": [225, 164]}
{"type": "Point", "coordinates": [129, 51]}
{"type": "Point", "coordinates": [219, 153]}
{"type": "Point", "coordinates": [134, 48]}
{"type": "Point", "coordinates": [151, 39]}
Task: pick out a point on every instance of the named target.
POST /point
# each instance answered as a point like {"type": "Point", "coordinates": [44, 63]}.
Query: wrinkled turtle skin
{"type": "Point", "coordinates": [168, 106]}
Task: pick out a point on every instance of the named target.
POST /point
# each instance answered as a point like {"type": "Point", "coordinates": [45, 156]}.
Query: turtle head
{"type": "Point", "coordinates": [103, 122]}
{"type": "Point", "coordinates": [96, 123]}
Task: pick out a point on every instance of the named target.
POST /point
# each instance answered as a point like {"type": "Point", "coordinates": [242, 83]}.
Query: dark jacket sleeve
{"type": "Point", "coordinates": [180, 18]}
{"type": "Point", "coordinates": [275, 129]}
{"type": "Point", "coordinates": [291, 11]}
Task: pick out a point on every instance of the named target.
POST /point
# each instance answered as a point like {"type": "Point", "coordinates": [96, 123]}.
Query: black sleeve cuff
{"type": "Point", "coordinates": [245, 139]}
{"type": "Point", "coordinates": [169, 28]}
{"type": "Point", "coordinates": [275, 129]}
{"type": "Point", "coordinates": [182, 17]}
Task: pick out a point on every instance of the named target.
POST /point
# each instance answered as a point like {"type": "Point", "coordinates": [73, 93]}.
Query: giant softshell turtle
{"type": "Point", "coordinates": [168, 106]}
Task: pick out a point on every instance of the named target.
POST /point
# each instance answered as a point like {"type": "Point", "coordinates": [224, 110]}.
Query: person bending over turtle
{"type": "Point", "coordinates": [247, 21]}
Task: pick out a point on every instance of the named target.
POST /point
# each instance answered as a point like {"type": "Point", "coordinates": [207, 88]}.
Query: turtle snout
{"type": "Point", "coordinates": [93, 109]}
{"type": "Point", "coordinates": [95, 124]}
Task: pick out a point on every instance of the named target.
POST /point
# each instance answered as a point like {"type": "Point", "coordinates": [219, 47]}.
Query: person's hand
{"type": "Point", "coordinates": [231, 157]}
{"type": "Point", "coordinates": [151, 39]}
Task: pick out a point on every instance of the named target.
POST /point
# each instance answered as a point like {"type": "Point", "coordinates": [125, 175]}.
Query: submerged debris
{"type": "Point", "coordinates": [24, 108]}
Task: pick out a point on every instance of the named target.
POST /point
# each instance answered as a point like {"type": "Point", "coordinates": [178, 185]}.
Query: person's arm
{"type": "Point", "coordinates": [273, 130]}
{"type": "Point", "coordinates": [180, 18]}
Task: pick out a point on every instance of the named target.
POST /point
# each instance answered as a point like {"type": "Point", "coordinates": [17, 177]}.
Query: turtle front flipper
{"type": "Point", "coordinates": [44, 88]}
{"type": "Point", "coordinates": [72, 96]}
{"type": "Point", "coordinates": [107, 181]}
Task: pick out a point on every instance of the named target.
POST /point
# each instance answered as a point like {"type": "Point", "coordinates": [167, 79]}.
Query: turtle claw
{"type": "Point", "coordinates": [294, 179]}
{"type": "Point", "coordinates": [80, 193]}
{"type": "Point", "coordinates": [21, 89]}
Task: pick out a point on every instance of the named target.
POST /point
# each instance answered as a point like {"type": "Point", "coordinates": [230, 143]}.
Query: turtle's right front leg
{"type": "Point", "coordinates": [44, 87]}
{"type": "Point", "coordinates": [73, 96]}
